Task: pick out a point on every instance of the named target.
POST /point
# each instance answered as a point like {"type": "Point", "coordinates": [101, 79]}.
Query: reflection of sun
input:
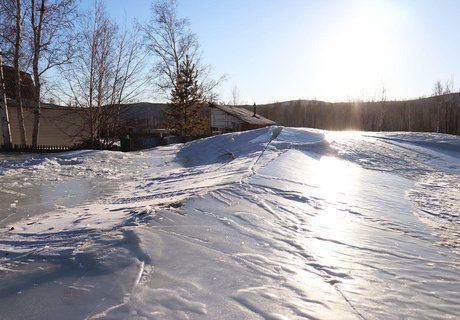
{"type": "Point", "coordinates": [335, 176]}
{"type": "Point", "coordinates": [335, 181]}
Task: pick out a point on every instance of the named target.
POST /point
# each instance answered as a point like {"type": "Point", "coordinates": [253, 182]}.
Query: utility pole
{"type": "Point", "coordinates": [4, 120]}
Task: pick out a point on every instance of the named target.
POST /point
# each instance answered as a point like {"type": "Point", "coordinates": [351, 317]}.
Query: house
{"type": "Point", "coordinates": [231, 119]}
{"type": "Point", "coordinates": [27, 84]}
{"type": "Point", "coordinates": [67, 126]}
{"type": "Point", "coordinates": [59, 126]}
{"type": "Point", "coordinates": [142, 117]}
{"type": "Point", "coordinates": [147, 125]}
{"type": "Point", "coordinates": [148, 118]}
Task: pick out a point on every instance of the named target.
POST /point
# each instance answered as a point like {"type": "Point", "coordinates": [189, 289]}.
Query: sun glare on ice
{"type": "Point", "coordinates": [336, 182]}
{"type": "Point", "coordinates": [334, 178]}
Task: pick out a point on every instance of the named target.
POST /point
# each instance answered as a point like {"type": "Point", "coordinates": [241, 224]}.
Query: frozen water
{"type": "Point", "coordinates": [275, 223]}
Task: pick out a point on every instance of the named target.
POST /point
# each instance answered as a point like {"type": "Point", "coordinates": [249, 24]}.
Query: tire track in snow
{"type": "Point", "coordinates": [275, 133]}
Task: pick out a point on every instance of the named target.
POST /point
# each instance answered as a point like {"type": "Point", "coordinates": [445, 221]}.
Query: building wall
{"type": "Point", "coordinates": [224, 122]}
{"type": "Point", "coordinates": [143, 117]}
{"type": "Point", "coordinates": [59, 126]}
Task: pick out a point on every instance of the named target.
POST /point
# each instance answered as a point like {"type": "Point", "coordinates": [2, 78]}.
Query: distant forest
{"type": "Point", "coordinates": [434, 114]}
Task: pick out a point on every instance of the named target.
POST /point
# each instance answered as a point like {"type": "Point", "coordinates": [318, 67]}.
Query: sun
{"type": "Point", "coordinates": [357, 53]}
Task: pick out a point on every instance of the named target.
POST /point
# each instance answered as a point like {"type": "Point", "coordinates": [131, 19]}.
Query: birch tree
{"type": "Point", "coordinates": [169, 39]}
{"type": "Point", "coordinates": [4, 118]}
{"type": "Point", "coordinates": [37, 34]}
{"type": "Point", "coordinates": [235, 96]}
{"type": "Point", "coordinates": [12, 15]}
{"type": "Point", "coordinates": [17, 71]}
{"type": "Point", "coordinates": [105, 73]}
{"type": "Point", "coordinates": [51, 41]}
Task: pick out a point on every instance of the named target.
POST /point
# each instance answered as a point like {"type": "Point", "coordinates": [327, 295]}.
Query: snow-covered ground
{"type": "Point", "coordinates": [276, 223]}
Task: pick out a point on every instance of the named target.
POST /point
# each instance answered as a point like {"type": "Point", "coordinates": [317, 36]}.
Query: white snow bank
{"type": "Point", "coordinates": [275, 223]}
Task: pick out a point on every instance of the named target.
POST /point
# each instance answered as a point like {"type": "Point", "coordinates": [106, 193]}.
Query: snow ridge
{"type": "Point", "coordinates": [275, 223]}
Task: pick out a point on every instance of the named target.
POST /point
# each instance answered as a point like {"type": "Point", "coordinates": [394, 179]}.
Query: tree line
{"type": "Point", "coordinates": [438, 113]}
{"type": "Point", "coordinates": [87, 60]}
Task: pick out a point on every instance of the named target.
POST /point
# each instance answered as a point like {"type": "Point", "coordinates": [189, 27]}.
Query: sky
{"type": "Point", "coordinates": [331, 50]}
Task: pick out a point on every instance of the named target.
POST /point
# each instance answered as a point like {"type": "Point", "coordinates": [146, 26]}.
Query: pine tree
{"type": "Point", "coordinates": [187, 103]}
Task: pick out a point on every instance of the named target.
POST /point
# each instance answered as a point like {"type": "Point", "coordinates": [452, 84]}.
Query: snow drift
{"type": "Point", "coordinates": [275, 223]}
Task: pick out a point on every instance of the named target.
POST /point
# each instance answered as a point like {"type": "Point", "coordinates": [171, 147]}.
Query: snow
{"type": "Point", "coordinates": [275, 223]}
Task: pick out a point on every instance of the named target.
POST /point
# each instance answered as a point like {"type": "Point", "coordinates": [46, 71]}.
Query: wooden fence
{"type": "Point", "coordinates": [30, 148]}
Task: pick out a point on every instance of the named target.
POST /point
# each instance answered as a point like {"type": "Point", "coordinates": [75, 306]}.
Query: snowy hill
{"type": "Point", "coordinates": [432, 114]}
{"type": "Point", "coordinates": [276, 223]}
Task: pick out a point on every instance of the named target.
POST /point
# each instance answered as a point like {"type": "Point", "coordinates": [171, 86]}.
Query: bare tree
{"type": "Point", "coordinates": [440, 92]}
{"type": "Point", "coordinates": [17, 71]}
{"type": "Point", "coordinates": [12, 15]}
{"type": "Point", "coordinates": [169, 39]}
{"type": "Point", "coordinates": [4, 119]}
{"type": "Point", "coordinates": [381, 112]}
{"type": "Point", "coordinates": [42, 27]}
{"type": "Point", "coordinates": [235, 96]}
{"type": "Point", "coordinates": [50, 23]}
{"type": "Point", "coordinates": [104, 74]}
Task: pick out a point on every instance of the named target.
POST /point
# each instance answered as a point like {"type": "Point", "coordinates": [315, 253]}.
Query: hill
{"type": "Point", "coordinates": [432, 114]}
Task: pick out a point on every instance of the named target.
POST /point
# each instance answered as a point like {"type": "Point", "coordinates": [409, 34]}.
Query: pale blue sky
{"type": "Point", "coordinates": [333, 50]}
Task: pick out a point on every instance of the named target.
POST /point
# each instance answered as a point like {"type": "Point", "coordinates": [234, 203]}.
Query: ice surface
{"type": "Point", "coordinates": [275, 223]}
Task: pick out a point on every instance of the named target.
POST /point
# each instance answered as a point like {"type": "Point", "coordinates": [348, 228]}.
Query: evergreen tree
{"type": "Point", "coordinates": [186, 114]}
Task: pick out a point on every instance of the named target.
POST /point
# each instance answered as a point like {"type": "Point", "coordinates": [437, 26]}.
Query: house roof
{"type": "Point", "coordinates": [245, 115]}
{"type": "Point", "coordinates": [27, 84]}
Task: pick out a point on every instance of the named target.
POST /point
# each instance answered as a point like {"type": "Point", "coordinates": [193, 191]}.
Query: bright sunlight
{"type": "Point", "coordinates": [358, 52]}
